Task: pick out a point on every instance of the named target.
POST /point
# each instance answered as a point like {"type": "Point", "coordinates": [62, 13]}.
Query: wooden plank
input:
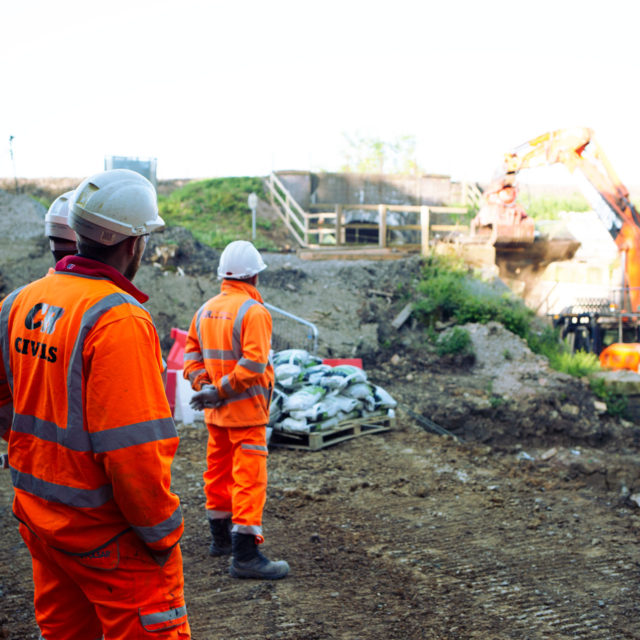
{"type": "Point", "coordinates": [403, 316]}
{"type": "Point", "coordinates": [382, 221]}
{"type": "Point", "coordinates": [346, 253]}
{"type": "Point", "coordinates": [347, 430]}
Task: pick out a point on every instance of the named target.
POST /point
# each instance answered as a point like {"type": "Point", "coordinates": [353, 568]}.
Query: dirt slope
{"type": "Point", "coordinates": [526, 528]}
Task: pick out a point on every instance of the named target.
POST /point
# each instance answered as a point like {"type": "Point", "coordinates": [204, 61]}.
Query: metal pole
{"type": "Point", "coordinates": [15, 175]}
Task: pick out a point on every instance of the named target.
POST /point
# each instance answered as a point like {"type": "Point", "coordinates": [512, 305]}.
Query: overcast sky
{"type": "Point", "coordinates": [233, 87]}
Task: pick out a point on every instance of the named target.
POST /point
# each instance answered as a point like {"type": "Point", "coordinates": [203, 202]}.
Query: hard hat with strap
{"type": "Point", "coordinates": [56, 221]}
{"type": "Point", "coordinates": [113, 205]}
{"type": "Point", "coordinates": [240, 259]}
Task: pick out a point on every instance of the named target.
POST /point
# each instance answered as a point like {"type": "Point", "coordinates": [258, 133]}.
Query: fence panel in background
{"type": "Point", "coordinates": [292, 332]}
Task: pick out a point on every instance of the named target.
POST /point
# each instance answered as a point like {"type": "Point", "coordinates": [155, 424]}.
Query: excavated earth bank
{"type": "Point", "coordinates": [523, 524]}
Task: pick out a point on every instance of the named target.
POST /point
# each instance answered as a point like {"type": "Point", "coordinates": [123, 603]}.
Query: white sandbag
{"type": "Point", "coordinates": [342, 376]}
{"type": "Point", "coordinates": [355, 374]}
{"type": "Point", "coordinates": [303, 398]}
{"type": "Point", "coordinates": [275, 408]}
{"type": "Point", "coordinates": [383, 398]}
{"type": "Point", "coordinates": [325, 425]}
{"type": "Point", "coordinates": [359, 390]}
{"type": "Point", "coordinates": [298, 357]}
{"type": "Point", "coordinates": [314, 373]}
{"type": "Point", "coordinates": [292, 426]}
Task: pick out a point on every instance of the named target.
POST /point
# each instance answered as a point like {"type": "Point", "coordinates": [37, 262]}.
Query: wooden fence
{"type": "Point", "coordinates": [324, 225]}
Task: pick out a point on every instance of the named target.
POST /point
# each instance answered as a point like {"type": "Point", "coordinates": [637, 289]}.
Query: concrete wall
{"type": "Point", "coordinates": [355, 188]}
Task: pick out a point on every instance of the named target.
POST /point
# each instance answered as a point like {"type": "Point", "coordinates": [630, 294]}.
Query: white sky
{"type": "Point", "coordinates": [241, 87]}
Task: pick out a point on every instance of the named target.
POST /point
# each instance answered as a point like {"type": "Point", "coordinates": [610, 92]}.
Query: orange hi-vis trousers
{"type": "Point", "coordinates": [235, 482]}
{"type": "Point", "coordinates": [118, 592]}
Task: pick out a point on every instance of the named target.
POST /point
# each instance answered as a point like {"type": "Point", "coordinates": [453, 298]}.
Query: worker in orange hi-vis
{"type": "Point", "coordinates": [89, 429]}
{"type": "Point", "coordinates": [62, 242]}
{"type": "Point", "coordinates": [227, 362]}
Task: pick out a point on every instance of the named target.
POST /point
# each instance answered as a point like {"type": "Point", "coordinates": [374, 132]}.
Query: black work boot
{"type": "Point", "coordinates": [248, 562]}
{"type": "Point", "coordinates": [221, 532]}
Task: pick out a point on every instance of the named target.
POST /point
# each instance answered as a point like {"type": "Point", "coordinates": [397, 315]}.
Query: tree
{"type": "Point", "coordinates": [374, 155]}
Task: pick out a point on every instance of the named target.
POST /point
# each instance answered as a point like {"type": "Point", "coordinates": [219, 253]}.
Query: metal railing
{"type": "Point", "coordinates": [326, 224]}
{"type": "Point", "coordinates": [292, 332]}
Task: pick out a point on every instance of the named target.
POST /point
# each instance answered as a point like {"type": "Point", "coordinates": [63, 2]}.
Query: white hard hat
{"type": "Point", "coordinates": [56, 221]}
{"type": "Point", "coordinates": [113, 205]}
{"type": "Point", "coordinates": [240, 259]}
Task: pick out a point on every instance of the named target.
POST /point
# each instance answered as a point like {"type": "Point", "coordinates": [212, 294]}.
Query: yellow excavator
{"type": "Point", "coordinates": [505, 222]}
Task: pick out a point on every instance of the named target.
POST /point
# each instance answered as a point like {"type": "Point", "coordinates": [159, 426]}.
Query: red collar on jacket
{"type": "Point", "coordinates": [238, 286]}
{"type": "Point", "coordinates": [89, 267]}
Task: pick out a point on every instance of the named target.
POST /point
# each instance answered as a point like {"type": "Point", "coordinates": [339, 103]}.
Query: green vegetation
{"type": "Point", "coordinates": [549, 207]}
{"type": "Point", "coordinates": [447, 291]}
{"type": "Point", "coordinates": [455, 341]}
{"type": "Point", "coordinates": [375, 155]}
{"type": "Point", "coordinates": [617, 403]}
{"type": "Point", "coordinates": [215, 210]}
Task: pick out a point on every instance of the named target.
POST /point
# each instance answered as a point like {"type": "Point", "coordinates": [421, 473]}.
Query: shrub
{"type": "Point", "coordinates": [576, 364]}
{"type": "Point", "coordinates": [617, 403]}
{"type": "Point", "coordinates": [548, 207]}
{"type": "Point", "coordinates": [447, 291]}
{"type": "Point", "coordinates": [457, 340]}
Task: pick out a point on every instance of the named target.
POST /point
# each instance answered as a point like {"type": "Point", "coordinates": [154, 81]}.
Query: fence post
{"type": "Point", "coordinates": [424, 230]}
{"type": "Point", "coordinates": [338, 224]}
{"type": "Point", "coordinates": [306, 231]}
{"type": "Point", "coordinates": [382, 225]}
{"type": "Point", "coordinates": [287, 209]}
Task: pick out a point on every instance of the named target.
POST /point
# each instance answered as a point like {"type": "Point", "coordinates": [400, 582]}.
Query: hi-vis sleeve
{"type": "Point", "coordinates": [194, 369]}
{"type": "Point", "coordinates": [133, 434]}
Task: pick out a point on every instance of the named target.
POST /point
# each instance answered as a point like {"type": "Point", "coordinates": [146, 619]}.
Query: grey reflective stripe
{"type": "Point", "coordinates": [133, 434]}
{"type": "Point", "coordinates": [161, 530]}
{"type": "Point", "coordinates": [219, 354]}
{"type": "Point", "coordinates": [75, 435]}
{"type": "Point", "coordinates": [237, 327]}
{"type": "Point", "coordinates": [252, 365]}
{"type": "Point", "coordinates": [214, 514]}
{"type": "Point", "coordinates": [6, 412]}
{"type": "Point", "coordinates": [194, 374]}
{"type": "Point", "coordinates": [4, 334]}
{"type": "Point", "coordinates": [194, 356]}
{"type": "Point", "coordinates": [225, 385]}
{"type": "Point", "coordinates": [254, 447]}
{"type": "Point", "coordinates": [49, 432]}
{"type": "Point", "coordinates": [198, 316]}
{"type": "Point", "coordinates": [252, 529]}
{"type": "Point", "coordinates": [70, 496]}
{"type": "Point", "coordinates": [251, 392]}
{"type": "Point", "coordinates": [164, 616]}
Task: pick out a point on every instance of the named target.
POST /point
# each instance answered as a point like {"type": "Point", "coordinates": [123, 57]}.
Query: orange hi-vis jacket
{"type": "Point", "coordinates": [92, 439]}
{"type": "Point", "coordinates": [228, 345]}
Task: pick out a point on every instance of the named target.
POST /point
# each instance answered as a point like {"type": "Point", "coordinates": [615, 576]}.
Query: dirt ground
{"type": "Point", "coordinates": [522, 525]}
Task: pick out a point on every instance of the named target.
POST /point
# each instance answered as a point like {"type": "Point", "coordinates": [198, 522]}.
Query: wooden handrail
{"type": "Point", "coordinates": [303, 224]}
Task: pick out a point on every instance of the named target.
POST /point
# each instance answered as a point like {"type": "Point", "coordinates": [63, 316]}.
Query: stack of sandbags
{"type": "Point", "coordinates": [311, 396]}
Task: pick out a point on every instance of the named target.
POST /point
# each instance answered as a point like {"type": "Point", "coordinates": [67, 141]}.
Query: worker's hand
{"type": "Point", "coordinates": [208, 397]}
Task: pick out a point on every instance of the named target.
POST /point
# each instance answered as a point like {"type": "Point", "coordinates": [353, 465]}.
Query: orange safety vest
{"type": "Point", "coordinates": [92, 439]}
{"type": "Point", "coordinates": [228, 345]}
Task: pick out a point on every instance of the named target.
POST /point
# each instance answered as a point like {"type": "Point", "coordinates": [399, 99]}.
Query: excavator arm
{"type": "Point", "coordinates": [581, 154]}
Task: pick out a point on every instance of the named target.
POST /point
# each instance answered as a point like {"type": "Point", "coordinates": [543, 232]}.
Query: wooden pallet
{"type": "Point", "coordinates": [347, 430]}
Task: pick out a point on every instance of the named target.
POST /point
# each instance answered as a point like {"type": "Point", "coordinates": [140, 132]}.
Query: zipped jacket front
{"type": "Point", "coordinates": [92, 440]}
